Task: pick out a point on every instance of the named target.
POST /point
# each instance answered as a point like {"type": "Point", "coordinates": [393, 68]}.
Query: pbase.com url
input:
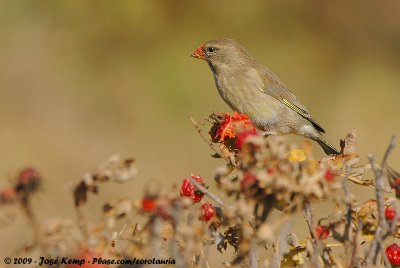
{"type": "Point", "coordinates": [104, 261]}
{"type": "Point", "coordinates": [133, 261]}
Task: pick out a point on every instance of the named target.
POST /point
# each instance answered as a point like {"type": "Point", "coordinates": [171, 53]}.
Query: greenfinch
{"type": "Point", "coordinates": [249, 87]}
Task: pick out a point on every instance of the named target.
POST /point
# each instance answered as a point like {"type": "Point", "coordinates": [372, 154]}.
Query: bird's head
{"type": "Point", "coordinates": [222, 52]}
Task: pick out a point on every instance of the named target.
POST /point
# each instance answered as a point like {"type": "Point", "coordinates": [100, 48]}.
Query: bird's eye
{"type": "Point", "coordinates": [211, 49]}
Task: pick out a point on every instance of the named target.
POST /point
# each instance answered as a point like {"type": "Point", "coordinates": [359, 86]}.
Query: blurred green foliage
{"type": "Point", "coordinates": [80, 80]}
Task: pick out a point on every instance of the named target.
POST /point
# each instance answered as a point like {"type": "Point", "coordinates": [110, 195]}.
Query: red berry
{"type": "Point", "coordinates": [329, 176]}
{"type": "Point", "coordinates": [189, 190]}
{"type": "Point", "coordinates": [390, 213]}
{"type": "Point", "coordinates": [149, 203]}
{"type": "Point", "coordinates": [241, 138]}
{"type": "Point", "coordinates": [393, 254]}
{"type": "Point", "coordinates": [8, 195]}
{"type": "Point", "coordinates": [322, 232]}
{"type": "Point", "coordinates": [207, 212]}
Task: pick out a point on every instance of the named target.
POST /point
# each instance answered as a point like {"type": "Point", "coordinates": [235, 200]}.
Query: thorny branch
{"type": "Point", "coordinates": [284, 239]}
{"type": "Point", "coordinates": [376, 244]}
{"type": "Point", "coordinates": [254, 207]}
{"type": "Point", "coordinates": [205, 191]}
{"type": "Point", "coordinates": [308, 216]}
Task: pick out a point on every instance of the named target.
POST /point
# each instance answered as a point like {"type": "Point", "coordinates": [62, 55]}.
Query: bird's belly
{"type": "Point", "coordinates": [269, 119]}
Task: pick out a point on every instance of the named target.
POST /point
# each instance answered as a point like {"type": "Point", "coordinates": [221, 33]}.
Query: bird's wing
{"type": "Point", "coordinates": [275, 88]}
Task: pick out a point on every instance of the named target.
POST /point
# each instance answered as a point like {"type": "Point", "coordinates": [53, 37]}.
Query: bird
{"type": "Point", "coordinates": [249, 87]}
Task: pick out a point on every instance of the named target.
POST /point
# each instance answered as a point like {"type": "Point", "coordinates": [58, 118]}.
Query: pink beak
{"type": "Point", "coordinates": [199, 53]}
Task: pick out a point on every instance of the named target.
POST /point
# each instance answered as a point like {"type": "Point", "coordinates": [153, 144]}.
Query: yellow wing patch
{"type": "Point", "coordinates": [295, 108]}
{"type": "Point", "coordinates": [303, 113]}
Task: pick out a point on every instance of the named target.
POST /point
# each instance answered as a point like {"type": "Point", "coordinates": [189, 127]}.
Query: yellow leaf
{"type": "Point", "coordinates": [296, 155]}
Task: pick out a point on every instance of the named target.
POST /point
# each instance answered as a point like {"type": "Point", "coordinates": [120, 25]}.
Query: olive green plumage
{"type": "Point", "coordinates": [251, 88]}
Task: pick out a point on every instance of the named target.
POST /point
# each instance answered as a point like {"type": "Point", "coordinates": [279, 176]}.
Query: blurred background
{"type": "Point", "coordinates": [81, 80]}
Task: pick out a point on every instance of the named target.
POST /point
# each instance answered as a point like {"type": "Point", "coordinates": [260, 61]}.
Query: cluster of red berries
{"type": "Point", "coordinates": [28, 182]}
{"type": "Point", "coordinates": [234, 125]}
{"type": "Point", "coordinates": [161, 206]}
{"type": "Point", "coordinates": [393, 250]}
{"type": "Point", "coordinates": [235, 128]}
{"type": "Point", "coordinates": [188, 189]}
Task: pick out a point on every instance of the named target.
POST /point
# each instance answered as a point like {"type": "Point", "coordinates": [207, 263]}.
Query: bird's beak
{"type": "Point", "coordinates": [199, 53]}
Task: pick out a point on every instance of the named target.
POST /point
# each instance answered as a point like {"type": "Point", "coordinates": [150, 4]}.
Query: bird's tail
{"type": "Point", "coordinates": [328, 148]}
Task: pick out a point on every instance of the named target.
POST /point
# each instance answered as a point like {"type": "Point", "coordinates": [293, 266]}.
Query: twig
{"type": "Point", "coordinates": [82, 220]}
{"type": "Point", "coordinates": [253, 256]}
{"type": "Point", "coordinates": [370, 257]}
{"type": "Point", "coordinates": [348, 204]}
{"type": "Point", "coordinates": [210, 143]}
{"type": "Point", "coordinates": [27, 207]}
{"type": "Point", "coordinates": [385, 258]}
{"type": "Point", "coordinates": [376, 244]}
{"type": "Point", "coordinates": [155, 236]}
{"type": "Point", "coordinates": [205, 191]}
{"type": "Point", "coordinates": [285, 238]}
{"type": "Point", "coordinates": [334, 259]}
{"type": "Point", "coordinates": [214, 197]}
{"type": "Point", "coordinates": [206, 263]}
{"type": "Point", "coordinates": [387, 153]}
{"type": "Point", "coordinates": [307, 213]}
{"type": "Point", "coordinates": [174, 244]}
{"type": "Point", "coordinates": [354, 247]}
{"type": "Point", "coordinates": [350, 246]}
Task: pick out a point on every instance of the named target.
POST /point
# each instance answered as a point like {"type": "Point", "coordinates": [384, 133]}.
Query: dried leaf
{"type": "Point", "coordinates": [294, 257]}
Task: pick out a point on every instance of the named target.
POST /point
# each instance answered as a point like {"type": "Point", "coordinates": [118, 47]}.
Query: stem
{"type": "Point", "coordinates": [32, 220]}
{"type": "Point", "coordinates": [307, 213]}
{"type": "Point", "coordinates": [379, 186]}
{"type": "Point", "coordinates": [205, 191]}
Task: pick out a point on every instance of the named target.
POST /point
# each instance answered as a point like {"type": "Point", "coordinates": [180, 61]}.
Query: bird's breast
{"type": "Point", "coordinates": [245, 95]}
